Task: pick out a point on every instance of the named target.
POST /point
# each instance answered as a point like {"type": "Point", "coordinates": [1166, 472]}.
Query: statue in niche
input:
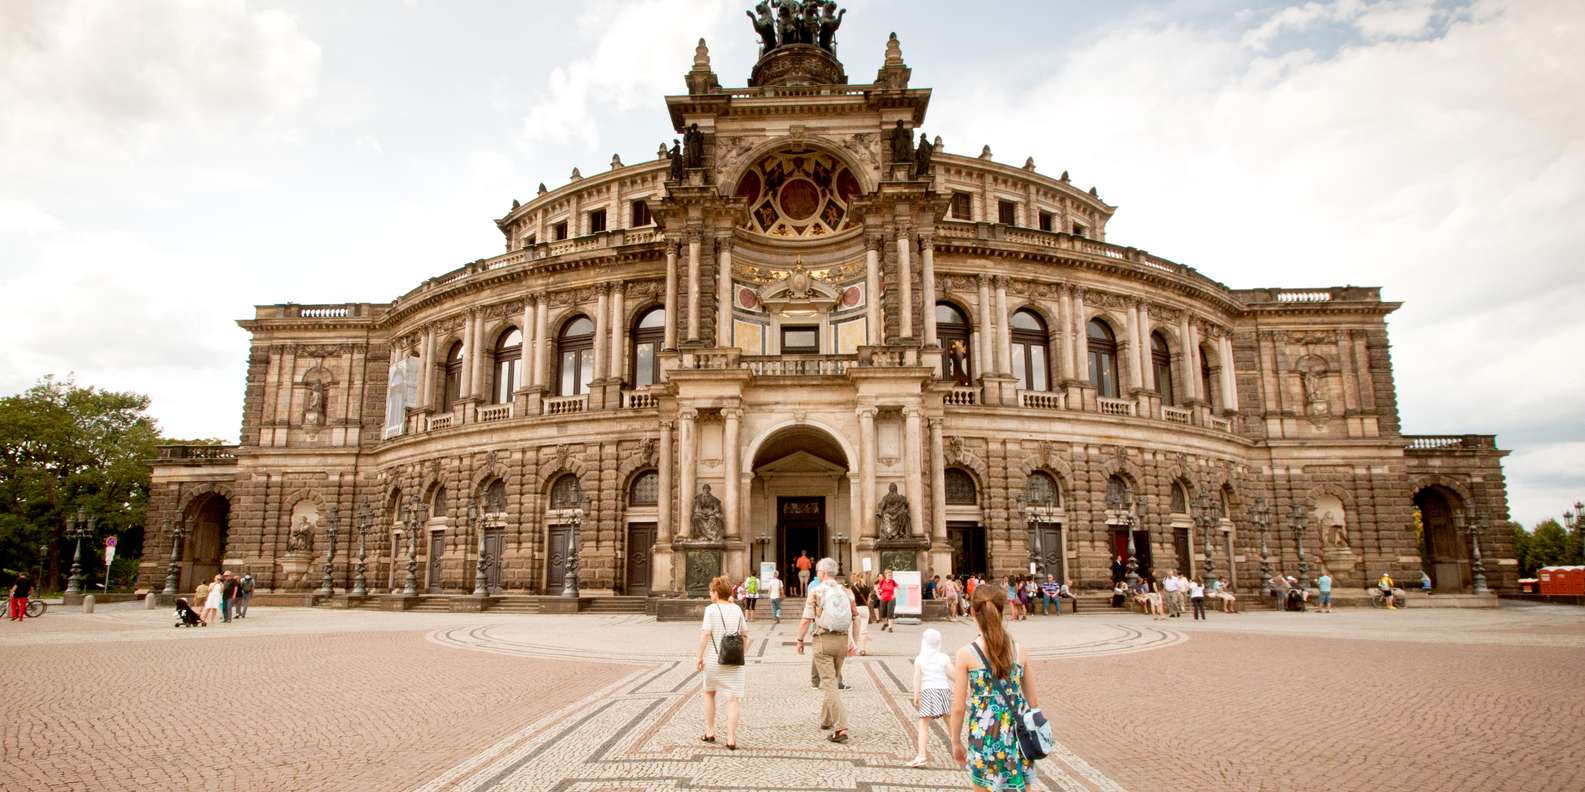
{"type": "Point", "coordinates": [764, 25]}
{"type": "Point", "coordinates": [1334, 532]}
{"type": "Point", "coordinates": [314, 411]}
{"type": "Point", "coordinates": [675, 159]}
{"type": "Point", "coordinates": [922, 156]}
{"type": "Point", "coordinates": [893, 515]}
{"type": "Point", "coordinates": [958, 362]}
{"type": "Point", "coordinates": [707, 516]}
{"type": "Point", "coordinates": [693, 147]}
{"type": "Point", "coordinates": [1312, 370]}
{"type": "Point", "coordinates": [300, 539]}
{"type": "Point", "coordinates": [902, 145]}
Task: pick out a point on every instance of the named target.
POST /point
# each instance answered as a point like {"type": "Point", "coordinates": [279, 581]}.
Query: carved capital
{"type": "Point", "coordinates": [688, 415]}
{"type": "Point", "coordinates": [1000, 281]}
{"type": "Point", "coordinates": [936, 423]}
{"type": "Point", "coordinates": [873, 241]}
{"type": "Point", "coordinates": [865, 413]}
{"type": "Point", "coordinates": [732, 413]}
{"type": "Point", "coordinates": [666, 424]}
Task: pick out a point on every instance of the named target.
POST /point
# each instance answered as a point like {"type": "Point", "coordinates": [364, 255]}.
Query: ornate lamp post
{"type": "Point", "coordinates": [1130, 518]}
{"type": "Point", "coordinates": [569, 580]}
{"type": "Point", "coordinates": [1210, 516]}
{"type": "Point", "coordinates": [1298, 521]}
{"type": "Point", "coordinates": [1036, 506]}
{"type": "Point", "coordinates": [1260, 515]}
{"type": "Point", "coordinates": [360, 587]}
{"type": "Point", "coordinates": [764, 544]}
{"type": "Point", "coordinates": [78, 528]}
{"type": "Point", "coordinates": [842, 541]}
{"type": "Point", "coordinates": [416, 516]}
{"type": "Point", "coordinates": [174, 571]}
{"type": "Point", "coordinates": [481, 583]}
{"type": "Point", "coordinates": [1477, 567]}
{"type": "Point", "coordinates": [327, 584]}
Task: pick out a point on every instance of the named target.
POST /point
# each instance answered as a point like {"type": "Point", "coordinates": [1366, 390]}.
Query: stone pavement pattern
{"type": "Point", "coordinates": [436, 702]}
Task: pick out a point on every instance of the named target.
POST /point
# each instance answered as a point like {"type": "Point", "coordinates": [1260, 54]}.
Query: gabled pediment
{"type": "Point", "coordinates": [801, 463]}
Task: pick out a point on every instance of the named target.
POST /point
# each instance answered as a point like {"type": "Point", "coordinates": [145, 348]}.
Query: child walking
{"type": "Point", "coordinates": [932, 689]}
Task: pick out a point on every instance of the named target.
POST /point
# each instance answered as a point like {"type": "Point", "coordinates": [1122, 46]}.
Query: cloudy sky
{"type": "Point", "coordinates": [167, 164]}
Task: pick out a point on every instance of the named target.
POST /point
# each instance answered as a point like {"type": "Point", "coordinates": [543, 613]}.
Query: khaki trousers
{"type": "Point", "coordinates": [830, 650]}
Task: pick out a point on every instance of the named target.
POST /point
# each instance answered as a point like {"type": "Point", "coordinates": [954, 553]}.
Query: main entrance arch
{"type": "Point", "coordinates": [800, 497]}
{"type": "Point", "coordinates": [1444, 551]}
{"type": "Point", "coordinates": [208, 524]}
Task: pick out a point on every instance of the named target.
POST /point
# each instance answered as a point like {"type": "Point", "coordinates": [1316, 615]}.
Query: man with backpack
{"type": "Point", "coordinates": [830, 610]}
{"type": "Point", "coordinates": [244, 595]}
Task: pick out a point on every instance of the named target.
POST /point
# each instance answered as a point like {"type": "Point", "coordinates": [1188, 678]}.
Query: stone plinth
{"type": "Point", "coordinates": [797, 64]}
{"type": "Point", "coordinates": [900, 554]}
{"type": "Point", "coordinates": [703, 563]}
{"type": "Point", "coordinates": [291, 570]}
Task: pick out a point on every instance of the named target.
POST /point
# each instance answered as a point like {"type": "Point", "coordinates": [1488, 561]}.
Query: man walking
{"type": "Point", "coordinates": [1169, 589]}
{"type": "Point", "coordinates": [773, 591]}
{"type": "Point", "coordinates": [1050, 594]}
{"type": "Point", "coordinates": [244, 594]}
{"type": "Point", "coordinates": [228, 595]}
{"type": "Point", "coordinates": [830, 610]}
{"type": "Point", "coordinates": [17, 602]}
{"type": "Point", "coordinates": [803, 563]}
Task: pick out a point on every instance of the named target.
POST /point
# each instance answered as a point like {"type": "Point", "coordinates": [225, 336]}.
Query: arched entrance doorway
{"type": "Point", "coordinates": [208, 523]}
{"type": "Point", "coordinates": [800, 501]}
{"type": "Point", "coordinates": [1446, 559]}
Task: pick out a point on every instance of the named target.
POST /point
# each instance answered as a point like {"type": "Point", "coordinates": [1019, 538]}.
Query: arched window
{"type": "Point", "coordinates": [645, 489]}
{"type": "Point", "coordinates": [648, 336]}
{"type": "Point", "coordinates": [1102, 344]}
{"type": "Point", "coordinates": [1118, 493]}
{"type": "Point", "coordinates": [1180, 499]}
{"type": "Point", "coordinates": [1161, 365]}
{"type": "Point", "coordinates": [960, 488]}
{"type": "Point", "coordinates": [438, 504]}
{"type": "Point", "coordinates": [1207, 394]}
{"type": "Point", "coordinates": [495, 497]}
{"type": "Point", "coordinates": [508, 354]}
{"type": "Point", "coordinates": [565, 493]}
{"type": "Point", "coordinates": [1031, 352]}
{"type": "Point", "coordinates": [575, 357]}
{"type": "Point", "coordinates": [453, 386]}
{"type": "Point", "coordinates": [1041, 488]}
{"type": "Point", "coordinates": [953, 332]}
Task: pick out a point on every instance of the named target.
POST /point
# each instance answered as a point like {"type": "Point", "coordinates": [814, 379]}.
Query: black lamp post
{"type": "Point", "coordinates": [174, 571]}
{"type": "Point", "coordinates": [1260, 515]}
{"type": "Point", "coordinates": [764, 553]}
{"type": "Point", "coordinates": [78, 528]}
{"type": "Point", "coordinates": [841, 540]}
{"type": "Point", "coordinates": [1477, 567]}
{"type": "Point", "coordinates": [1298, 521]}
{"type": "Point", "coordinates": [1036, 506]}
{"type": "Point", "coordinates": [1131, 517]}
{"type": "Point", "coordinates": [569, 580]}
{"type": "Point", "coordinates": [1209, 518]}
{"type": "Point", "coordinates": [481, 585]}
{"type": "Point", "coordinates": [360, 587]}
{"type": "Point", "coordinates": [416, 515]}
{"type": "Point", "coordinates": [327, 583]}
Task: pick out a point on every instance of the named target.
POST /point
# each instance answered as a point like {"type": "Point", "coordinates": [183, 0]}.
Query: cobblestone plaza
{"type": "Point", "coordinates": [306, 699]}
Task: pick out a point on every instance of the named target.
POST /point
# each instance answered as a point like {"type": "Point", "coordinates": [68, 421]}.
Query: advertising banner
{"type": "Point", "coordinates": [909, 593]}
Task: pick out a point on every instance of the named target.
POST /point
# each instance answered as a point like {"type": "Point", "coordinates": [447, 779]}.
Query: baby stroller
{"type": "Point", "coordinates": [1295, 600]}
{"type": "Point", "coordinates": [186, 616]}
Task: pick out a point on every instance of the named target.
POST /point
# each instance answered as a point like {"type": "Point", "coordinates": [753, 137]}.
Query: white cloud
{"type": "Point", "coordinates": [1379, 20]}
{"type": "Point", "coordinates": [28, 220]}
{"type": "Point", "coordinates": [1450, 170]}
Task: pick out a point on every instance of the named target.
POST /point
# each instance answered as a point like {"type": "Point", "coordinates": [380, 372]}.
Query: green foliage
{"type": "Point", "coordinates": [1547, 545]}
{"type": "Point", "coordinates": [65, 448]}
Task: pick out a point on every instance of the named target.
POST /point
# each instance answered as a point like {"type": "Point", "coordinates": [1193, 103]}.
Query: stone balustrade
{"type": "Point", "coordinates": [1119, 407]}
{"type": "Point", "coordinates": [566, 405]}
{"type": "Point", "coordinates": [1042, 400]}
{"type": "Point", "coordinates": [962, 396]}
{"type": "Point", "coordinates": [197, 454]}
{"type": "Point", "coordinates": [1425, 443]}
{"type": "Point", "coordinates": [443, 421]}
{"type": "Point", "coordinates": [1176, 415]}
{"type": "Point", "coordinates": [799, 365]}
{"type": "Point", "coordinates": [638, 400]}
{"type": "Point", "coordinates": [494, 412]}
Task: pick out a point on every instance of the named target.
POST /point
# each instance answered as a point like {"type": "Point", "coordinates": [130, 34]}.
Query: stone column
{"type": "Point", "coordinates": [601, 301]}
{"type": "Point", "coordinates": [729, 441]}
{"type": "Point", "coordinates": [1065, 323]}
{"type": "Point", "coordinates": [1229, 381]}
{"type": "Point", "coordinates": [1004, 339]}
{"type": "Point", "coordinates": [723, 292]}
{"type": "Point", "coordinates": [1191, 360]}
{"type": "Point", "coordinates": [985, 361]}
{"type": "Point", "coordinates": [481, 361]}
{"type": "Point", "coordinates": [663, 503]}
{"type": "Point", "coordinates": [1146, 368]}
{"type": "Point", "coordinates": [1135, 378]}
{"type": "Point", "coordinates": [693, 285]}
{"type": "Point", "coordinates": [1367, 386]}
{"type": "Point", "coordinates": [618, 326]}
{"type": "Point", "coordinates": [542, 340]}
{"type": "Point", "coordinates": [856, 519]}
{"type": "Point", "coordinates": [866, 472]}
{"type": "Point", "coordinates": [426, 372]}
{"type": "Point", "coordinates": [905, 274]}
{"type": "Point", "coordinates": [913, 445]}
{"type": "Point", "coordinates": [671, 295]}
{"type": "Point", "coordinates": [927, 274]}
{"type": "Point", "coordinates": [685, 461]}
{"type": "Point", "coordinates": [470, 352]}
{"type": "Point", "coordinates": [872, 290]}
{"type": "Point", "coordinates": [938, 484]}
{"type": "Point", "coordinates": [1080, 337]}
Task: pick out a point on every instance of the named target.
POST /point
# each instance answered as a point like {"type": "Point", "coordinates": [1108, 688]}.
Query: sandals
{"type": "Point", "coordinates": [709, 738]}
{"type": "Point", "coordinates": [838, 737]}
{"type": "Point", "coordinates": [731, 746]}
{"type": "Point", "coordinates": [919, 761]}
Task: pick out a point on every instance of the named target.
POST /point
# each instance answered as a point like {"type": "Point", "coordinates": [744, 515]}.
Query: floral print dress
{"type": "Point", "coordinates": [994, 760]}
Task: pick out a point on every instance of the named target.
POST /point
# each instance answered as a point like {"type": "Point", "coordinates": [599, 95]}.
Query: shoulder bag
{"type": "Point", "coordinates": [1030, 726]}
{"type": "Point", "coordinates": [730, 650]}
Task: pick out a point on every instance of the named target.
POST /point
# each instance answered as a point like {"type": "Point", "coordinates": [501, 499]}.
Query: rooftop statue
{"type": "Point", "coordinates": [902, 145]}
{"type": "Point", "coordinates": [796, 22]}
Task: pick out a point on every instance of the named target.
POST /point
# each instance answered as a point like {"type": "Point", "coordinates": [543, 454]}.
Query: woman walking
{"type": "Point", "coordinates": [932, 690]}
{"type": "Point", "coordinates": [863, 593]}
{"type": "Point", "coordinates": [886, 592]}
{"type": "Point", "coordinates": [721, 619]}
{"type": "Point", "coordinates": [990, 684]}
{"type": "Point", "coordinates": [213, 600]}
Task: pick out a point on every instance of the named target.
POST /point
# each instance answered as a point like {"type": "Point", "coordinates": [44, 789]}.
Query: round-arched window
{"type": "Point", "coordinates": [1041, 489]}
{"type": "Point", "coordinates": [648, 336]}
{"type": "Point", "coordinates": [565, 493]}
{"type": "Point", "coordinates": [508, 356]}
{"type": "Point", "coordinates": [953, 332]}
{"type": "Point", "coordinates": [451, 391]}
{"type": "Point", "coordinates": [1031, 353]}
{"type": "Point", "coordinates": [645, 489]}
{"type": "Point", "coordinates": [1102, 344]}
{"type": "Point", "coordinates": [960, 489]}
{"type": "Point", "coordinates": [798, 193]}
{"type": "Point", "coordinates": [1161, 367]}
{"type": "Point", "coordinates": [575, 357]}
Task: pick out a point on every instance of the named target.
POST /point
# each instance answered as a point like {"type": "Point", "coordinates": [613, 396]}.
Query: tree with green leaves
{"type": "Point", "coordinates": [1547, 545]}
{"type": "Point", "coordinates": [63, 448]}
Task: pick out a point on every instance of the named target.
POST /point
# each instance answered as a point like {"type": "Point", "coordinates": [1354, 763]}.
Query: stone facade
{"type": "Point", "coordinates": [835, 321]}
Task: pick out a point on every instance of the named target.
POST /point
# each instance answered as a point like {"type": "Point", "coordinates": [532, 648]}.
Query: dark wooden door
{"type": "Point", "coordinates": [800, 527]}
{"type": "Point", "coordinates": [1141, 549]}
{"type": "Point", "coordinates": [494, 549]}
{"type": "Point", "coordinates": [969, 556]}
{"type": "Point", "coordinates": [1048, 551]}
{"type": "Point", "coordinates": [437, 547]}
{"type": "Point", "coordinates": [1182, 548]}
{"type": "Point", "coordinates": [640, 549]}
{"type": "Point", "coordinates": [556, 558]}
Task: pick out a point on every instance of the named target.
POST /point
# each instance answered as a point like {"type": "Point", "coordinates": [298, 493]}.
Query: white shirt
{"type": "Point", "coordinates": [770, 588]}
{"type": "Point", "coordinates": [1170, 584]}
{"type": "Point", "coordinates": [1196, 590]}
{"type": "Point", "coordinates": [933, 672]}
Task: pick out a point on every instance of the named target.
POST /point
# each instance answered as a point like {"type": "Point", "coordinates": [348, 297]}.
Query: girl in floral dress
{"type": "Point", "coordinates": [992, 680]}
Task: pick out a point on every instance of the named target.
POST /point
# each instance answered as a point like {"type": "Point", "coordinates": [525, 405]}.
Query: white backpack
{"type": "Point", "coordinates": [833, 608]}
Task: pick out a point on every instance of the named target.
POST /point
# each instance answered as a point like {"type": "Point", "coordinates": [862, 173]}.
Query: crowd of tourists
{"type": "Point", "coordinates": [1173, 594]}
{"type": "Point", "coordinates": [226, 597]}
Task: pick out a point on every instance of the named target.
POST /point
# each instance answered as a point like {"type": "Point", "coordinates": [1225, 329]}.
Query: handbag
{"type": "Point", "coordinates": [730, 651]}
{"type": "Point", "coordinates": [1030, 726]}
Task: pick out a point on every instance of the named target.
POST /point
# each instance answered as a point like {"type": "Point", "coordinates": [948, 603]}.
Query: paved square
{"type": "Point", "coordinates": [317, 699]}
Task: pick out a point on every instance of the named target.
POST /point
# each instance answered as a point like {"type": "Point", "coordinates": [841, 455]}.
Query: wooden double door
{"type": "Point", "coordinates": [559, 542]}
{"type": "Point", "coordinates": [1045, 545]}
{"type": "Point", "coordinates": [640, 557]}
{"type": "Point", "coordinates": [969, 555]}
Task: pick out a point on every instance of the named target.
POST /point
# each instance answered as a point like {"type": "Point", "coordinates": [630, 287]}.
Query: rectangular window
{"type": "Point", "coordinates": [559, 230]}
{"type": "Point", "coordinates": [641, 216]}
{"type": "Point", "coordinates": [1007, 213]}
{"type": "Point", "coordinates": [1020, 372]}
{"type": "Point", "coordinates": [597, 221]}
{"type": "Point", "coordinates": [1079, 229]}
{"type": "Point", "coordinates": [1046, 221]}
{"type": "Point", "coordinates": [962, 206]}
{"type": "Point", "coordinates": [644, 368]}
{"type": "Point", "coordinates": [796, 340]}
{"type": "Point", "coordinates": [529, 241]}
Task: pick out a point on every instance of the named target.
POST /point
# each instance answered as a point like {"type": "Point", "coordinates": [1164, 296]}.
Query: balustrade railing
{"type": "Point", "coordinates": [962, 396]}
{"type": "Point", "coordinates": [1450, 442]}
{"type": "Point", "coordinates": [799, 366]}
{"type": "Point", "coordinates": [444, 421]}
{"type": "Point", "coordinates": [638, 400]}
{"type": "Point", "coordinates": [1122, 407]}
{"type": "Point", "coordinates": [1042, 400]}
{"type": "Point", "coordinates": [1176, 415]}
{"type": "Point", "coordinates": [494, 412]}
{"type": "Point", "coordinates": [1220, 424]}
{"type": "Point", "coordinates": [566, 405]}
{"type": "Point", "coordinates": [197, 453]}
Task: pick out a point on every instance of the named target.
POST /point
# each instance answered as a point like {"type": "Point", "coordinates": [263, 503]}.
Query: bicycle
{"type": "Point", "coordinates": [36, 608]}
{"type": "Point", "coordinates": [1377, 600]}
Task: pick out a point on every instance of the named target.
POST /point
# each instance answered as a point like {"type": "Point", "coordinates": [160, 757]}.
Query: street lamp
{"type": "Point", "coordinates": [360, 587]}
{"type": "Point", "coordinates": [764, 545]}
{"type": "Point", "coordinates": [1260, 515]}
{"type": "Point", "coordinates": [842, 540]}
{"type": "Point", "coordinates": [569, 579]}
{"type": "Point", "coordinates": [1298, 521]}
{"type": "Point", "coordinates": [327, 584]}
{"type": "Point", "coordinates": [1119, 503]}
{"type": "Point", "coordinates": [481, 585]}
{"type": "Point", "coordinates": [78, 528]}
{"type": "Point", "coordinates": [1036, 506]}
{"type": "Point", "coordinates": [416, 515]}
{"type": "Point", "coordinates": [1209, 517]}
{"type": "Point", "coordinates": [175, 529]}
{"type": "Point", "coordinates": [1477, 567]}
